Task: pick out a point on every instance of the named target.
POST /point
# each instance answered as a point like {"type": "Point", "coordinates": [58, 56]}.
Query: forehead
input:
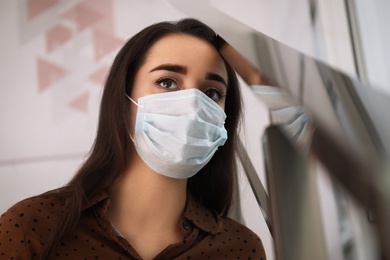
{"type": "Point", "coordinates": [186, 50]}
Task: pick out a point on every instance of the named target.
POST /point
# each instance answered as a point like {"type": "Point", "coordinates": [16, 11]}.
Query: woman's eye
{"type": "Point", "coordinates": [167, 83]}
{"type": "Point", "coordinates": [213, 94]}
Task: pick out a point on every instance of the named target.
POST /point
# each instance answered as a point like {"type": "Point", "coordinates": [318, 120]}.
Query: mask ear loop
{"type": "Point", "coordinates": [138, 105]}
{"type": "Point", "coordinates": [135, 103]}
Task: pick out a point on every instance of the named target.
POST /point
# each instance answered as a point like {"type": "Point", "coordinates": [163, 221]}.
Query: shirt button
{"type": "Point", "coordinates": [186, 225]}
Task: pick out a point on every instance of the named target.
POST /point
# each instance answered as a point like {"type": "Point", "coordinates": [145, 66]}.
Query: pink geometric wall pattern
{"type": "Point", "coordinates": [57, 36]}
{"type": "Point", "coordinates": [48, 73]}
{"type": "Point", "coordinates": [99, 76]}
{"type": "Point", "coordinates": [105, 7]}
{"type": "Point", "coordinates": [81, 102]}
{"type": "Point", "coordinates": [37, 7]}
{"type": "Point", "coordinates": [104, 43]}
{"type": "Point", "coordinates": [83, 16]}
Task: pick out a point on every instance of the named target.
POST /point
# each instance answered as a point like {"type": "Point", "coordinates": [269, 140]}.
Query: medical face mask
{"type": "Point", "coordinates": [178, 132]}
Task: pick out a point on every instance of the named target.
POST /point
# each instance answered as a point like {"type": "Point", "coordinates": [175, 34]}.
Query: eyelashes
{"type": "Point", "coordinates": [171, 84]}
{"type": "Point", "coordinates": [214, 94]}
{"type": "Point", "coordinates": [167, 83]}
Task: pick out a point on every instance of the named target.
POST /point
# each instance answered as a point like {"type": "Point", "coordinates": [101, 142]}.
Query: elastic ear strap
{"type": "Point", "coordinates": [135, 103]}
{"type": "Point", "coordinates": [131, 137]}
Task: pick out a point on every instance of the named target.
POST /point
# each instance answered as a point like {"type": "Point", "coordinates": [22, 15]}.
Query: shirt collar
{"type": "Point", "coordinates": [194, 212]}
{"type": "Point", "coordinates": [201, 216]}
{"type": "Point", "coordinates": [96, 199]}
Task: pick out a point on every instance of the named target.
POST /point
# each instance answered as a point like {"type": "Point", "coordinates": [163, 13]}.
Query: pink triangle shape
{"type": "Point", "coordinates": [83, 16]}
{"type": "Point", "coordinates": [48, 73]}
{"type": "Point", "coordinates": [57, 36]}
{"type": "Point", "coordinates": [105, 43]}
{"type": "Point", "coordinates": [37, 7]}
{"type": "Point", "coordinates": [101, 6]}
{"type": "Point", "coordinates": [99, 76]}
{"type": "Point", "coordinates": [106, 8]}
{"type": "Point", "coordinates": [81, 103]}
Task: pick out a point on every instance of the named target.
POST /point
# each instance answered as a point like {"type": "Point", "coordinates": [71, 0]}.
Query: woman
{"type": "Point", "coordinates": [158, 182]}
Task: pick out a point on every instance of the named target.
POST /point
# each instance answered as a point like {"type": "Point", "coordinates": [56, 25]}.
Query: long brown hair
{"type": "Point", "coordinates": [212, 186]}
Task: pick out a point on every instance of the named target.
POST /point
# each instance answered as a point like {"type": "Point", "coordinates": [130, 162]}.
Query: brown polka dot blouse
{"type": "Point", "coordinates": [26, 227]}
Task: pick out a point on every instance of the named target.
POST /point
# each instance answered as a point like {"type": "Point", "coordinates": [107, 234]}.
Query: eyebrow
{"type": "Point", "coordinates": [216, 77]}
{"type": "Point", "coordinates": [183, 70]}
{"type": "Point", "coordinates": [171, 67]}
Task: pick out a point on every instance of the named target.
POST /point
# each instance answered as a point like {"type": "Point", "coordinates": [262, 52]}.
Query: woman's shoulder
{"type": "Point", "coordinates": [42, 205]}
{"type": "Point", "coordinates": [34, 214]}
{"type": "Point", "coordinates": [234, 228]}
{"type": "Point", "coordinates": [244, 239]}
{"type": "Point", "coordinates": [27, 226]}
{"type": "Point", "coordinates": [225, 236]}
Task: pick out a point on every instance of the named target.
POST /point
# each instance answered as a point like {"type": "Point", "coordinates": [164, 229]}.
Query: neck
{"type": "Point", "coordinates": [145, 200]}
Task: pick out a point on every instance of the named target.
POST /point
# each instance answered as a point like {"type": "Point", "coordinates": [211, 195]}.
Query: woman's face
{"type": "Point", "coordinates": [178, 62]}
